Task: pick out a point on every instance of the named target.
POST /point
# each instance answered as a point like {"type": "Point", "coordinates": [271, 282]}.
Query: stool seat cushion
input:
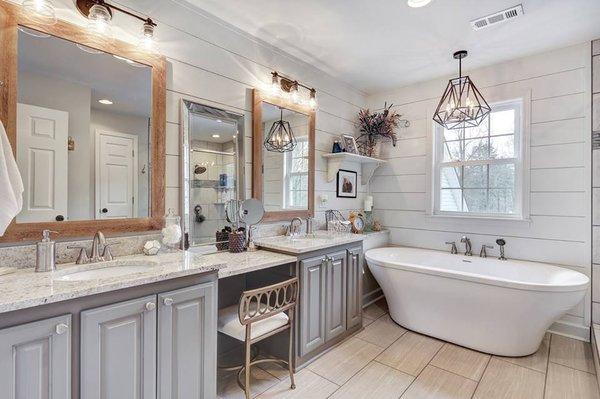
{"type": "Point", "coordinates": [229, 324]}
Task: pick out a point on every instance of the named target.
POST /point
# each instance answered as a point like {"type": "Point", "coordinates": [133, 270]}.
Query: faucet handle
{"type": "Point", "coordinates": [483, 252]}
{"type": "Point", "coordinates": [83, 257]}
{"type": "Point", "coordinates": [453, 250]}
{"type": "Point", "coordinates": [107, 254]}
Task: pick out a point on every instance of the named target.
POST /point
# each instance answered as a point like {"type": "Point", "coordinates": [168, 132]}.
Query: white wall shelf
{"type": "Point", "coordinates": [368, 165]}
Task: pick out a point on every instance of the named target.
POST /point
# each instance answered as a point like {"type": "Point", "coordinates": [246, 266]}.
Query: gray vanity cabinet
{"type": "Point", "coordinates": [35, 360]}
{"type": "Point", "coordinates": [354, 288]}
{"type": "Point", "coordinates": [312, 290]}
{"type": "Point", "coordinates": [118, 350]}
{"type": "Point", "coordinates": [335, 297]}
{"type": "Point", "coordinates": [187, 341]}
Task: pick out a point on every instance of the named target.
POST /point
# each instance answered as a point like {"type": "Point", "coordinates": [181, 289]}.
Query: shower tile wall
{"type": "Point", "coordinates": [596, 180]}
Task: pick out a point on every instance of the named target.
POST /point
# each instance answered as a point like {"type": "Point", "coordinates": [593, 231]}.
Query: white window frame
{"type": "Point", "coordinates": [521, 165]}
{"type": "Point", "coordinates": [287, 166]}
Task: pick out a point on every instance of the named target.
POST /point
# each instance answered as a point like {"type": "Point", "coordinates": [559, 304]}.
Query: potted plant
{"type": "Point", "coordinates": [376, 128]}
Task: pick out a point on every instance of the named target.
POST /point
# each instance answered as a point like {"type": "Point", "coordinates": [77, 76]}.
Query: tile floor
{"type": "Point", "coordinates": [387, 361]}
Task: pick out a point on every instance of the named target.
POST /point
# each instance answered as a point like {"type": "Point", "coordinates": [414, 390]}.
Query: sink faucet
{"type": "Point", "coordinates": [295, 225]}
{"type": "Point", "coordinates": [95, 256]}
{"type": "Point", "coordinates": [467, 242]}
{"type": "Point", "coordinates": [98, 239]}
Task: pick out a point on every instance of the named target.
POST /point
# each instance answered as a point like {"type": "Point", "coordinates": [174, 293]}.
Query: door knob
{"type": "Point", "coordinates": [168, 301]}
{"type": "Point", "coordinates": [150, 306]}
{"type": "Point", "coordinates": [61, 328]}
{"type": "Point", "coordinates": [59, 218]}
{"type": "Point", "coordinates": [104, 210]}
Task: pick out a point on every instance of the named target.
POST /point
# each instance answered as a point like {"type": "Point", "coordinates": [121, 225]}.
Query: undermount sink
{"type": "Point", "coordinates": [106, 270]}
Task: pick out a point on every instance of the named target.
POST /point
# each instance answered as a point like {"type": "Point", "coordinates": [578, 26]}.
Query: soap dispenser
{"type": "Point", "coordinates": [45, 256]}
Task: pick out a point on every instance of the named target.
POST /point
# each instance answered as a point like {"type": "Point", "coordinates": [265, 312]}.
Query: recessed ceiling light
{"type": "Point", "coordinates": [219, 121]}
{"type": "Point", "coordinates": [418, 3]}
{"type": "Point", "coordinates": [216, 136]}
{"type": "Point", "coordinates": [105, 101]}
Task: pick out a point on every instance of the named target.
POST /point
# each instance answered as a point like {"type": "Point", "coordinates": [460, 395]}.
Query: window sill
{"type": "Point", "coordinates": [519, 219]}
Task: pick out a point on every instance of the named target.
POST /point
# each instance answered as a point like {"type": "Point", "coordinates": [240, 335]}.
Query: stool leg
{"type": "Point", "coordinates": [248, 355]}
{"type": "Point", "coordinates": [291, 354]}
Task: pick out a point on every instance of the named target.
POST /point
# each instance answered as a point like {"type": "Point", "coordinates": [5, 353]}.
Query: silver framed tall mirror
{"type": "Point", "coordinates": [212, 172]}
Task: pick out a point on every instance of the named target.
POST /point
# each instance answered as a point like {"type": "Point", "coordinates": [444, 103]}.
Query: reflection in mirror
{"type": "Point", "coordinates": [285, 174]}
{"type": "Point", "coordinates": [213, 168]}
{"type": "Point", "coordinates": [83, 123]}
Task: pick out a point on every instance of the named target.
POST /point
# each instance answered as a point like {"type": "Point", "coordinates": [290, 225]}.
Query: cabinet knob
{"type": "Point", "coordinates": [168, 301]}
{"type": "Point", "coordinates": [61, 328]}
{"type": "Point", "coordinates": [150, 306]}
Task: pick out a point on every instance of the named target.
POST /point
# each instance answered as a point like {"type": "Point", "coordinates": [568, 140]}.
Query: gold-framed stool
{"type": "Point", "coordinates": [260, 314]}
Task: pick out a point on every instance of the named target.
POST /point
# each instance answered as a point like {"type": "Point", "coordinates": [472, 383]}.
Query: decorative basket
{"type": "Point", "coordinates": [222, 238]}
{"type": "Point", "coordinates": [237, 242]}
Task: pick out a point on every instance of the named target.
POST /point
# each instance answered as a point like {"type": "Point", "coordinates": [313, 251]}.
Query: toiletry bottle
{"type": "Point", "coordinates": [45, 256]}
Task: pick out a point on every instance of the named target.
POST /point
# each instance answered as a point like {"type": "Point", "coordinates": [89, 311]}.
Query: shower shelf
{"type": "Point", "coordinates": [368, 165]}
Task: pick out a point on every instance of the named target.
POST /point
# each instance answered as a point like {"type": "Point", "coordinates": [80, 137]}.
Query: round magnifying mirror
{"type": "Point", "coordinates": [251, 211]}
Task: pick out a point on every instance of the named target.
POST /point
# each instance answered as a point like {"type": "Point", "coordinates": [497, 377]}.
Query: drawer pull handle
{"type": "Point", "coordinates": [61, 328]}
{"type": "Point", "coordinates": [150, 306]}
{"type": "Point", "coordinates": [168, 301]}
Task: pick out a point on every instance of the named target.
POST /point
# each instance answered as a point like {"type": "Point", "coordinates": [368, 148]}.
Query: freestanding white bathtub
{"type": "Point", "coordinates": [498, 307]}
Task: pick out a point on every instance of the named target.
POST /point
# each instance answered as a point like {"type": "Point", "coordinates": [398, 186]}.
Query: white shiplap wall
{"type": "Point", "coordinates": [213, 63]}
{"type": "Point", "coordinates": [558, 83]}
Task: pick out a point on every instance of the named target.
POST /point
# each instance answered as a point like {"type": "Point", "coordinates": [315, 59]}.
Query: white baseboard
{"type": "Point", "coordinates": [576, 331]}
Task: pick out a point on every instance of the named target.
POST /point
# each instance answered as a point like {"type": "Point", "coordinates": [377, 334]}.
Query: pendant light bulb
{"type": "Point", "coordinates": [40, 10]}
{"type": "Point", "coordinates": [99, 21]}
{"type": "Point", "coordinates": [147, 41]}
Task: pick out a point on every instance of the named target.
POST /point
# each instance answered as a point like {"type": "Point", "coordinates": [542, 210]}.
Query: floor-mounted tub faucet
{"type": "Point", "coordinates": [467, 242]}
{"type": "Point", "coordinates": [501, 242]}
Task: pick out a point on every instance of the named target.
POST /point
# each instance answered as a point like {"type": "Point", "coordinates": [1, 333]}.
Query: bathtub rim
{"type": "Point", "coordinates": [476, 278]}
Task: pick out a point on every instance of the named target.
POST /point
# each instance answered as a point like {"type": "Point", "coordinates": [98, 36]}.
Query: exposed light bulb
{"type": "Point", "coordinates": [294, 95]}
{"type": "Point", "coordinates": [274, 84]}
{"type": "Point", "coordinates": [312, 102]}
{"type": "Point", "coordinates": [41, 10]}
{"type": "Point", "coordinates": [147, 41]}
{"type": "Point", "coordinates": [99, 21]}
{"type": "Point", "coordinates": [417, 3]}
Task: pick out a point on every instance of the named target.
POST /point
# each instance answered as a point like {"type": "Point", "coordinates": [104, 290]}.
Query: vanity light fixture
{"type": "Point", "coordinates": [417, 3]}
{"type": "Point", "coordinates": [41, 10]}
{"type": "Point", "coordinates": [105, 101]}
{"type": "Point", "coordinates": [462, 105]}
{"type": "Point", "coordinates": [100, 21]}
{"type": "Point", "coordinates": [281, 137]}
{"type": "Point", "coordinates": [147, 41]}
{"type": "Point", "coordinates": [282, 86]}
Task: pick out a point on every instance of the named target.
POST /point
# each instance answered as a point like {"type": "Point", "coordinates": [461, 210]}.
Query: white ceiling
{"type": "Point", "coordinates": [379, 45]}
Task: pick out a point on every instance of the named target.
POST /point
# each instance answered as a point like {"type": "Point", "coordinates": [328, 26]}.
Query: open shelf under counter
{"type": "Point", "coordinates": [368, 164]}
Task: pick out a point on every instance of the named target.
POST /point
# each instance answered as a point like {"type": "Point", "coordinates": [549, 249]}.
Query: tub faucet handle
{"type": "Point", "coordinates": [501, 242]}
{"type": "Point", "coordinates": [483, 252]}
{"type": "Point", "coordinates": [453, 250]}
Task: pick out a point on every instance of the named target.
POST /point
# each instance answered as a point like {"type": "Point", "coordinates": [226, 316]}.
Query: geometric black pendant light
{"type": "Point", "coordinates": [462, 105]}
{"type": "Point", "coordinates": [280, 137]}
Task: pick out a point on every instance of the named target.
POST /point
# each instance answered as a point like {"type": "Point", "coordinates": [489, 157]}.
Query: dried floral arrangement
{"type": "Point", "coordinates": [377, 127]}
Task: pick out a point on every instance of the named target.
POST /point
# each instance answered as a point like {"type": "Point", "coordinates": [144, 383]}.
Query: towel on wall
{"type": "Point", "coordinates": [11, 184]}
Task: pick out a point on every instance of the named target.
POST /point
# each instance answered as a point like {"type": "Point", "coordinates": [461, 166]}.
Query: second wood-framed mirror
{"type": "Point", "coordinates": [283, 178]}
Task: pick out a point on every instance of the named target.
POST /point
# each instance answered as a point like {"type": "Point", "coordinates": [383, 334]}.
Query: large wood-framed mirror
{"type": "Point", "coordinates": [86, 121]}
{"type": "Point", "coordinates": [283, 181]}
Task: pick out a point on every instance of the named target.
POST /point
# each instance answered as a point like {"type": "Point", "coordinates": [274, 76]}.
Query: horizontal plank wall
{"type": "Point", "coordinates": [213, 63]}
{"type": "Point", "coordinates": [560, 168]}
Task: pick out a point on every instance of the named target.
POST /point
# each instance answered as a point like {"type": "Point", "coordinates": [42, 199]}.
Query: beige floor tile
{"type": "Point", "coordinates": [374, 311]}
{"type": "Point", "coordinates": [342, 362]}
{"type": "Point", "coordinates": [434, 383]}
{"type": "Point", "coordinates": [308, 386]}
{"type": "Point", "coordinates": [564, 382]}
{"type": "Point", "coordinates": [367, 320]}
{"type": "Point", "coordinates": [410, 353]}
{"type": "Point", "coordinates": [382, 332]}
{"type": "Point", "coordinates": [571, 353]}
{"type": "Point", "coordinates": [375, 381]}
{"type": "Point", "coordinates": [461, 361]}
{"type": "Point", "coordinates": [227, 387]}
{"type": "Point", "coordinates": [508, 381]}
{"type": "Point", "coordinates": [538, 361]}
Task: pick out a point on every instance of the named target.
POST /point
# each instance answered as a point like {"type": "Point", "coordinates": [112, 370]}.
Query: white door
{"type": "Point", "coordinates": [42, 135]}
{"type": "Point", "coordinates": [116, 175]}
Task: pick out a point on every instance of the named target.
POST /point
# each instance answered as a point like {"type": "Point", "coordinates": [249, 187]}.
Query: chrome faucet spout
{"type": "Point", "coordinates": [99, 239]}
{"type": "Point", "coordinates": [467, 242]}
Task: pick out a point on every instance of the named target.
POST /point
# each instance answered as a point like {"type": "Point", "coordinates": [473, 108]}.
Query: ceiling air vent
{"type": "Point", "coordinates": [498, 17]}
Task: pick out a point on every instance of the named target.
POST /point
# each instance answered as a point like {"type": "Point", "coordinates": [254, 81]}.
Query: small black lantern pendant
{"type": "Point", "coordinates": [280, 137]}
{"type": "Point", "coordinates": [462, 105]}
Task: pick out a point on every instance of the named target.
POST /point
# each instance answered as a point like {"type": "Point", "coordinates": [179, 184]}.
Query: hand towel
{"type": "Point", "coordinates": [11, 184]}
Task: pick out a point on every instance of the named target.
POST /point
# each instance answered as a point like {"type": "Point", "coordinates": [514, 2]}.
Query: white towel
{"type": "Point", "coordinates": [11, 184]}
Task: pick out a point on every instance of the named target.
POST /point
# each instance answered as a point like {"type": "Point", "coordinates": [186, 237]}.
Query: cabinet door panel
{"type": "Point", "coordinates": [35, 360]}
{"type": "Point", "coordinates": [312, 304]}
{"type": "Point", "coordinates": [335, 296]}
{"type": "Point", "coordinates": [354, 293]}
{"type": "Point", "coordinates": [187, 339]}
{"type": "Point", "coordinates": [118, 350]}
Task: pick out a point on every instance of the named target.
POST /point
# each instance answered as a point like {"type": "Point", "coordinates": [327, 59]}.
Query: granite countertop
{"type": "Point", "coordinates": [322, 239]}
{"type": "Point", "coordinates": [246, 262]}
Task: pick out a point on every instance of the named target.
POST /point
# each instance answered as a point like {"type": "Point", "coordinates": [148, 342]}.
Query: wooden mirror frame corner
{"type": "Point", "coordinates": [258, 98]}
{"type": "Point", "coordinates": [12, 16]}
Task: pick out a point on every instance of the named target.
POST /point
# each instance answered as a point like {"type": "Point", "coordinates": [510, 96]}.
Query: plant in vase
{"type": "Point", "coordinates": [376, 128]}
